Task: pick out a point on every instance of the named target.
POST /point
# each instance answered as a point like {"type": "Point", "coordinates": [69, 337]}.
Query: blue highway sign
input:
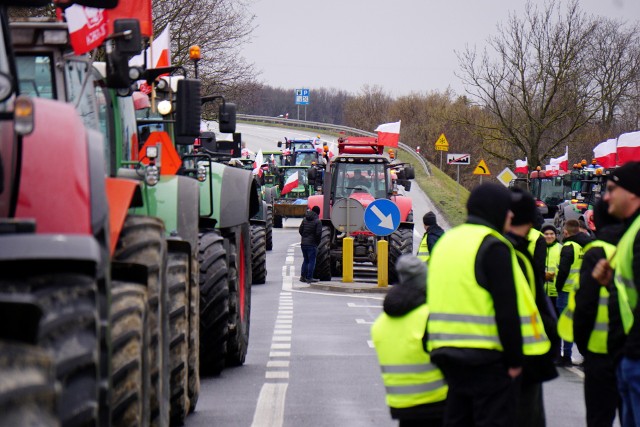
{"type": "Point", "coordinates": [302, 96]}
{"type": "Point", "coordinates": [382, 217]}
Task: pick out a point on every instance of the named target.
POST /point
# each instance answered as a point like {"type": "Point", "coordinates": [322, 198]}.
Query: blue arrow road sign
{"type": "Point", "coordinates": [382, 217]}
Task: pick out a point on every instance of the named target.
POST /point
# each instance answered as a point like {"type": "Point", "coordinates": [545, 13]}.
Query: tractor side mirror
{"type": "Point", "coordinates": [227, 117]}
{"type": "Point", "coordinates": [279, 144]}
{"type": "Point", "coordinates": [188, 111]}
{"type": "Point", "coordinates": [126, 42]}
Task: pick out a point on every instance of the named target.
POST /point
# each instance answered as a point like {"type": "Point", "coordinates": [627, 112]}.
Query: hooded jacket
{"type": "Point", "coordinates": [310, 229]}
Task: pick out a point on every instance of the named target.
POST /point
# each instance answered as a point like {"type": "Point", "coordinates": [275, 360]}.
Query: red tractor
{"type": "Point", "coordinates": [361, 173]}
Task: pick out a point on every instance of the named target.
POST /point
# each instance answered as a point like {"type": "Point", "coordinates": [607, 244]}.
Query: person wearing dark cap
{"type": "Point", "coordinates": [591, 324]}
{"type": "Point", "coordinates": [536, 368]}
{"type": "Point", "coordinates": [477, 296]}
{"type": "Point", "coordinates": [432, 232]}
{"type": "Point", "coordinates": [623, 197]}
{"type": "Point", "coordinates": [552, 259]}
{"type": "Point", "coordinates": [415, 388]}
{"type": "Point", "coordinates": [311, 231]}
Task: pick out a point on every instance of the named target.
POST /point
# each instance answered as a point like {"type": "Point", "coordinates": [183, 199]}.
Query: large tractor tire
{"type": "Point", "coordinates": [400, 243]}
{"type": "Point", "coordinates": [193, 389]}
{"type": "Point", "coordinates": [129, 386]}
{"type": "Point", "coordinates": [177, 283]}
{"type": "Point", "coordinates": [27, 386]}
{"type": "Point", "coordinates": [69, 331]}
{"type": "Point", "coordinates": [277, 221]}
{"type": "Point", "coordinates": [239, 298]}
{"type": "Point", "coordinates": [323, 268]}
{"type": "Point", "coordinates": [214, 303]}
{"type": "Point", "coordinates": [258, 255]}
{"type": "Point", "coordinates": [142, 242]}
{"type": "Point", "coordinates": [269, 227]}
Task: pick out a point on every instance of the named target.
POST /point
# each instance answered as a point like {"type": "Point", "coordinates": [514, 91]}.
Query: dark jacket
{"type": "Point", "coordinates": [433, 234]}
{"type": "Point", "coordinates": [566, 257]}
{"type": "Point", "coordinates": [310, 229]}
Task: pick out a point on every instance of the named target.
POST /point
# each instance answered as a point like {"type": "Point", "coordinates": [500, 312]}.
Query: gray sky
{"type": "Point", "coordinates": [402, 45]}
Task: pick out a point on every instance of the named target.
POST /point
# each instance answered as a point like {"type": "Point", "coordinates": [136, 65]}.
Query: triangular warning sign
{"type": "Point", "coordinates": [481, 169]}
{"type": "Point", "coordinates": [442, 141]}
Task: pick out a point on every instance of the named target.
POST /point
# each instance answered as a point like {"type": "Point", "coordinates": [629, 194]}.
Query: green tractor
{"type": "Point", "coordinates": [294, 190]}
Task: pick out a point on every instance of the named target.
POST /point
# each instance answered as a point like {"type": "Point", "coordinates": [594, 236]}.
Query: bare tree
{"type": "Point", "coordinates": [368, 109]}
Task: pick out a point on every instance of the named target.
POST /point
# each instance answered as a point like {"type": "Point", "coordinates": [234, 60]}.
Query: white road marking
{"type": "Point", "coordinates": [415, 232]}
{"type": "Point", "coordinates": [339, 294]}
{"type": "Point", "coordinates": [576, 371]}
{"type": "Point", "coordinates": [276, 374]}
{"type": "Point", "coordinates": [282, 331]}
{"type": "Point", "coordinates": [281, 338]}
{"type": "Point", "coordinates": [279, 346]}
{"type": "Point", "coordinates": [286, 312]}
{"type": "Point", "coordinates": [270, 408]}
{"type": "Point", "coordinates": [354, 305]}
{"type": "Point", "coordinates": [370, 343]}
{"type": "Point", "coordinates": [289, 260]}
{"type": "Point", "coordinates": [278, 364]}
{"type": "Point", "coordinates": [363, 322]}
{"type": "Point", "coordinates": [280, 354]}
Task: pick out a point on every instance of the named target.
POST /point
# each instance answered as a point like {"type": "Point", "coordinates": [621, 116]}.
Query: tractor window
{"type": "Point", "coordinates": [130, 142]}
{"type": "Point", "coordinates": [305, 159]}
{"type": "Point", "coordinates": [302, 175]}
{"type": "Point", "coordinates": [351, 178]}
{"type": "Point", "coordinates": [35, 76]}
{"type": "Point", "coordinates": [79, 82]}
{"type": "Point", "coordinates": [103, 120]}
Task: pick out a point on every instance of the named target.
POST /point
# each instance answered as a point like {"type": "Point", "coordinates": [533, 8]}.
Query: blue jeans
{"type": "Point", "coordinates": [309, 261]}
{"type": "Point", "coordinates": [561, 303]}
{"type": "Point", "coordinates": [628, 373]}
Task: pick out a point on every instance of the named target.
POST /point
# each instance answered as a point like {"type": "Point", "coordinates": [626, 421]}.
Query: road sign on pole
{"type": "Point", "coordinates": [506, 176]}
{"type": "Point", "coordinates": [442, 144]}
{"type": "Point", "coordinates": [458, 159]}
{"type": "Point", "coordinates": [481, 169]}
{"type": "Point", "coordinates": [382, 217]}
{"type": "Point", "coordinates": [302, 96]}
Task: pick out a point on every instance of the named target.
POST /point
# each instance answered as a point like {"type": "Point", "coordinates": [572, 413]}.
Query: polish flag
{"type": "Point", "coordinates": [522, 166]}
{"type": "Point", "coordinates": [562, 162]}
{"type": "Point", "coordinates": [605, 153]}
{"type": "Point", "coordinates": [257, 164]}
{"type": "Point", "coordinates": [87, 27]}
{"type": "Point", "coordinates": [292, 182]}
{"type": "Point", "coordinates": [273, 159]}
{"type": "Point", "coordinates": [159, 55]}
{"type": "Point", "coordinates": [389, 134]}
{"type": "Point", "coordinates": [628, 147]}
{"type": "Point", "coordinates": [136, 9]}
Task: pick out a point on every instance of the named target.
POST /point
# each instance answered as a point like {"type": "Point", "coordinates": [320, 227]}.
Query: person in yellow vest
{"type": "Point", "coordinates": [569, 274]}
{"type": "Point", "coordinates": [591, 324]}
{"type": "Point", "coordinates": [483, 317]}
{"type": "Point", "coordinates": [536, 368]}
{"type": "Point", "coordinates": [623, 196]}
{"type": "Point", "coordinates": [432, 232]}
{"type": "Point", "coordinates": [415, 388]}
{"type": "Point", "coordinates": [551, 262]}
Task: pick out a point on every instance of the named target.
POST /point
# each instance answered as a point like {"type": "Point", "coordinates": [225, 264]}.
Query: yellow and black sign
{"type": "Point", "coordinates": [442, 144]}
{"type": "Point", "coordinates": [481, 169]}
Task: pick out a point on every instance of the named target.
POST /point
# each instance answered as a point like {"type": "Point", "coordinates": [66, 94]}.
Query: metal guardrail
{"type": "Point", "coordinates": [332, 128]}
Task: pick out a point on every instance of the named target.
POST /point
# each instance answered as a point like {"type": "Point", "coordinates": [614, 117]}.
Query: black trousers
{"type": "Point", "coordinates": [600, 390]}
{"type": "Point", "coordinates": [531, 406]}
{"type": "Point", "coordinates": [482, 396]}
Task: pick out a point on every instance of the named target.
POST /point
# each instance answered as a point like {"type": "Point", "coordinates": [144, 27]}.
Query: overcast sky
{"type": "Point", "coordinates": [402, 45]}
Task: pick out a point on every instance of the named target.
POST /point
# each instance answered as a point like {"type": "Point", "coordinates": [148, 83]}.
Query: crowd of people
{"type": "Point", "coordinates": [488, 310]}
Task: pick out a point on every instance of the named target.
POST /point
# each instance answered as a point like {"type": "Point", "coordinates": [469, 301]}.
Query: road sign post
{"type": "Point", "coordinates": [482, 169]}
{"type": "Point", "coordinates": [302, 98]}
{"type": "Point", "coordinates": [458, 159]}
{"type": "Point", "coordinates": [442, 145]}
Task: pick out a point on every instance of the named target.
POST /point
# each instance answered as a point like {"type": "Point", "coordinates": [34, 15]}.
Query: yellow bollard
{"type": "Point", "coordinates": [383, 263]}
{"type": "Point", "coordinates": [347, 260]}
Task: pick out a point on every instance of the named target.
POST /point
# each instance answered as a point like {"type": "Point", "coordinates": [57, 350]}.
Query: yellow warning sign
{"type": "Point", "coordinates": [442, 144]}
{"type": "Point", "coordinates": [481, 169]}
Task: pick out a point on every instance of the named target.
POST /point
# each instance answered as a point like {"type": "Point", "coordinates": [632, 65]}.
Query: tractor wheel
{"type": "Point", "coordinates": [277, 221]}
{"type": "Point", "coordinates": [193, 390]}
{"type": "Point", "coordinates": [214, 303]}
{"type": "Point", "coordinates": [142, 242]}
{"type": "Point", "coordinates": [127, 321]}
{"type": "Point", "coordinates": [258, 255]}
{"type": "Point", "coordinates": [269, 228]}
{"type": "Point", "coordinates": [27, 386]}
{"type": "Point", "coordinates": [177, 283]}
{"type": "Point", "coordinates": [239, 299]}
{"type": "Point", "coordinates": [323, 269]}
{"type": "Point", "coordinates": [400, 243]}
{"type": "Point", "coordinates": [69, 331]}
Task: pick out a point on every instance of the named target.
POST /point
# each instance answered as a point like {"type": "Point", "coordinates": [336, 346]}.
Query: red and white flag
{"type": "Point", "coordinates": [273, 159]}
{"type": "Point", "coordinates": [292, 182]}
{"type": "Point", "coordinates": [87, 27]}
{"type": "Point", "coordinates": [628, 147]}
{"type": "Point", "coordinates": [257, 163]}
{"type": "Point", "coordinates": [562, 162]}
{"type": "Point", "coordinates": [159, 55]}
{"type": "Point", "coordinates": [605, 153]}
{"type": "Point", "coordinates": [389, 134]}
{"type": "Point", "coordinates": [522, 166]}
{"type": "Point", "coordinates": [137, 9]}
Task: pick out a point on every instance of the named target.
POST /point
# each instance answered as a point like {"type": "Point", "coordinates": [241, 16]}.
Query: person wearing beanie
{"type": "Point", "coordinates": [597, 341]}
{"type": "Point", "coordinates": [477, 295]}
{"type": "Point", "coordinates": [311, 231]}
{"type": "Point", "coordinates": [432, 233]}
{"type": "Point", "coordinates": [536, 368]}
{"type": "Point", "coordinates": [399, 337]}
{"type": "Point", "coordinates": [623, 197]}
{"type": "Point", "coordinates": [552, 259]}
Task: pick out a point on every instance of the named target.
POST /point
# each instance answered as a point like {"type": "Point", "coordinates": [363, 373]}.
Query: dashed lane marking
{"type": "Point", "coordinates": [354, 305]}
{"type": "Point", "coordinates": [270, 408]}
{"type": "Point", "coordinates": [363, 322]}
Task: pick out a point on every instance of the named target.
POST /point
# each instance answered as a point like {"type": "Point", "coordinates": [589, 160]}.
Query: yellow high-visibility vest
{"type": "Point", "coordinates": [623, 275]}
{"type": "Point", "coordinates": [423, 249]}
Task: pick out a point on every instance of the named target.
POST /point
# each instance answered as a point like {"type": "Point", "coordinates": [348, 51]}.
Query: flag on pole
{"type": "Point", "coordinates": [160, 49]}
{"type": "Point", "coordinates": [257, 164]}
{"type": "Point", "coordinates": [273, 159]}
{"type": "Point", "coordinates": [522, 166]}
{"type": "Point", "coordinates": [292, 182]}
{"type": "Point", "coordinates": [87, 27]}
{"type": "Point", "coordinates": [605, 153]}
{"type": "Point", "coordinates": [389, 134]}
{"type": "Point", "coordinates": [628, 147]}
{"type": "Point", "coordinates": [136, 9]}
{"type": "Point", "coordinates": [562, 162]}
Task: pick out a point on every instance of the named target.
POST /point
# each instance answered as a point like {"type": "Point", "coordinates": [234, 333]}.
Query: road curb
{"type": "Point", "coordinates": [352, 288]}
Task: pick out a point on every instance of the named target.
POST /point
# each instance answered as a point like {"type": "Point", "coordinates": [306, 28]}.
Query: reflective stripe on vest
{"type": "Point", "coordinates": [462, 311]}
{"type": "Point", "coordinates": [623, 277]}
{"type": "Point", "coordinates": [574, 273]}
{"type": "Point", "coordinates": [423, 249]}
{"type": "Point", "coordinates": [551, 266]}
{"type": "Point", "coordinates": [409, 377]}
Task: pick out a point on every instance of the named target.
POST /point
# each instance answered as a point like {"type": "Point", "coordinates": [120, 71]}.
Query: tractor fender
{"type": "Point", "coordinates": [120, 193]}
{"type": "Point", "coordinates": [239, 201]}
{"type": "Point", "coordinates": [55, 186]}
{"type": "Point", "coordinates": [404, 204]}
{"type": "Point", "coordinates": [260, 216]}
{"type": "Point", "coordinates": [99, 203]}
{"type": "Point", "coordinates": [316, 200]}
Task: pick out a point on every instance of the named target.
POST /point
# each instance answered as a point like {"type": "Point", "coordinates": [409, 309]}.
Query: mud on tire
{"type": "Point", "coordinates": [323, 268]}
{"type": "Point", "coordinates": [239, 298]}
{"type": "Point", "coordinates": [400, 242]}
{"type": "Point", "coordinates": [258, 255]}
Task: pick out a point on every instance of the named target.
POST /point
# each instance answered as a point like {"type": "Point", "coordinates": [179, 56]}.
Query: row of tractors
{"type": "Point", "coordinates": [128, 246]}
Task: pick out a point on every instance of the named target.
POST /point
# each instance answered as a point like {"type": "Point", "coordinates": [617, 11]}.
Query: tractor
{"type": "Point", "coordinates": [362, 173]}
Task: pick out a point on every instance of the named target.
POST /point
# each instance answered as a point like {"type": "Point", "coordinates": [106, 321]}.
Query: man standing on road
{"type": "Point", "coordinates": [551, 262]}
{"type": "Point", "coordinates": [623, 196]}
{"type": "Point", "coordinates": [432, 233]}
{"type": "Point", "coordinates": [311, 231]}
{"type": "Point", "coordinates": [482, 315]}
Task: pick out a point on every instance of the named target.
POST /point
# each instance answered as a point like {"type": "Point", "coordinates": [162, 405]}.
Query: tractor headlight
{"type": "Point", "coordinates": [202, 173]}
{"type": "Point", "coordinates": [151, 175]}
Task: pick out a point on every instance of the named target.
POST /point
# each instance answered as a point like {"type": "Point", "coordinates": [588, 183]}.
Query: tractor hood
{"type": "Point", "coordinates": [363, 198]}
